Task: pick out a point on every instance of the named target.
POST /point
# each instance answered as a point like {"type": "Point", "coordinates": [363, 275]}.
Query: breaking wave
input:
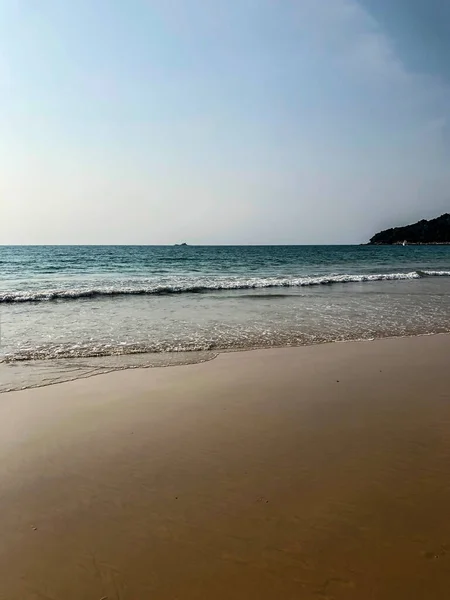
{"type": "Point", "coordinates": [205, 285]}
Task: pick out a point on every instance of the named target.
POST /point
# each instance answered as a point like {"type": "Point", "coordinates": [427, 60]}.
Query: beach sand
{"type": "Point", "coordinates": [302, 473]}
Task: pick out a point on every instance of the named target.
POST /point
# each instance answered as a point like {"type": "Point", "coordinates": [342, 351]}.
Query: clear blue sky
{"type": "Point", "coordinates": [230, 121]}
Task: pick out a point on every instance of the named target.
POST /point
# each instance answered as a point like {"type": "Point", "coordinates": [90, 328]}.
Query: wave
{"type": "Point", "coordinates": [109, 351]}
{"type": "Point", "coordinates": [434, 273]}
{"type": "Point", "coordinates": [207, 285]}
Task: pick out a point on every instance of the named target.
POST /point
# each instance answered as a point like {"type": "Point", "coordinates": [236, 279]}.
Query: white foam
{"type": "Point", "coordinates": [193, 285]}
{"type": "Point", "coordinates": [437, 273]}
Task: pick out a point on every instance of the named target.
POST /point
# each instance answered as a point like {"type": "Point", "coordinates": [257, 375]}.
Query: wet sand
{"type": "Point", "coordinates": [303, 473]}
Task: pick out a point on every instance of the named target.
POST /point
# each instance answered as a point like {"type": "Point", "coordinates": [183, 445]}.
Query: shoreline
{"type": "Point", "coordinates": [308, 472]}
{"type": "Point", "coordinates": [407, 244]}
{"type": "Point", "coordinates": [215, 353]}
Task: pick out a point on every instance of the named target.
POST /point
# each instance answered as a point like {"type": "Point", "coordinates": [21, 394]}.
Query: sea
{"type": "Point", "coordinates": [75, 311]}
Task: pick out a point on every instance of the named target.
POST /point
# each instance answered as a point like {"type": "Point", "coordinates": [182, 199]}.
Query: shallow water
{"type": "Point", "coordinates": [68, 312]}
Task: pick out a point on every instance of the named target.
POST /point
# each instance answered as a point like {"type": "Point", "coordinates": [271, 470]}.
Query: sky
{"type": "Point", "coordinates": [221, 121]}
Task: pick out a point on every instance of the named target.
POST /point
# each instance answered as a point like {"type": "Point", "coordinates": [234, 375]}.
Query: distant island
{"type": "Point", "coordinates": [434, 231]}
{"type": "Point", "coordinates": [183, 244]}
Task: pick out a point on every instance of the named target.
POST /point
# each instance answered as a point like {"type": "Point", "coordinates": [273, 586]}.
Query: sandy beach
{"type": "Point", "coordinates": [301, 473]}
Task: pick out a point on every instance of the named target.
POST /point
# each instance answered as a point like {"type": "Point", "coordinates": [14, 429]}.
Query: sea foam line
{"type": "Point", "coordinates": [205, 285]}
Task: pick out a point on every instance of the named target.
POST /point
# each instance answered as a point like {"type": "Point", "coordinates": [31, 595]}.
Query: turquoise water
{"type": "Point", "coordinates": [74, 310]}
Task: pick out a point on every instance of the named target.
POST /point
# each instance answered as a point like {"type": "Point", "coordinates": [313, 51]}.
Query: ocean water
{"type": "Point", "coordinates": [73, 311]}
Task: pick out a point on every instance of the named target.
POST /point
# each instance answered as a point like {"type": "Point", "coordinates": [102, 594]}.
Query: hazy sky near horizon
{"type": "Point", "coordinates": [222, 121]}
